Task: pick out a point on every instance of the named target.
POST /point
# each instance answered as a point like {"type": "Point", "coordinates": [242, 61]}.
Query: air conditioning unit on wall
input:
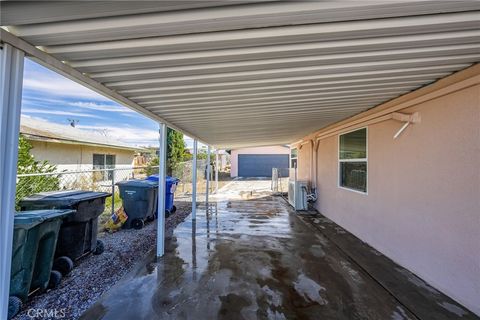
{"type": "Point", "coordinates": [297, 194]}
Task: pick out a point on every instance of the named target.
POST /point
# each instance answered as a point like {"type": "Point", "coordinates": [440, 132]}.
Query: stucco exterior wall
{"type": "Point", "coordinates": [303, 169]}
{"type": "Point", "coordinates": [77, 157]}
{"type": "Point", "coordinates": [256, 150]}
{"type": "Point", "coordinates": [423, 204]}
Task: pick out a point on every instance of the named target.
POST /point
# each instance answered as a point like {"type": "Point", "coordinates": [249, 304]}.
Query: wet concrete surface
{"type": "Point", "coordinates": [249, 257]}
{"type": "Point", "coordinates": [423, 300]}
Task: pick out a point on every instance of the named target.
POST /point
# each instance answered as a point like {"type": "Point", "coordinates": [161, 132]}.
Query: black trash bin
{"type": "Point", "coordinates": [78, 233]}
{"type": "Point", "coordinates": [139, 201]}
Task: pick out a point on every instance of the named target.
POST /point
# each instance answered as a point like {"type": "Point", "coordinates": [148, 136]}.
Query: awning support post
{"type": "Point", "coordinates": [216, 171]}
{"type": "Point", "coordinates": [194, 179]}
{"type": "Point", "coordinates": [11, 80]}
{"type": "Point", "coordinates": [208, 177]}
{"type": "Point", "coordinates": [162, 157]}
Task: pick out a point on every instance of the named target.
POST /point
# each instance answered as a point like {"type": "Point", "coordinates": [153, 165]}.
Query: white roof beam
{"type": "Point", "coordinates": [281, 109]}
{"type": "Point", "coordinates": [297, 61]}
{"type": "Point", "coordinates": [275, 93]}
{"type": "Point", "coordinates": [426, 73]}
{"type": "Point", "coordinates": [269, 89]}
{"type": "Point", "coordinates": [19, 13]}
{"type": "Point", "coordinates": [244, 108]}
{"type": "Point", "coordinates": [145, 58]}
{"type": "Point", "coordinates": [334, 70]}
{"type": "Point", "coordinates": [231, 18]}
{"type": "Point", "coordinates": [284, 115]}
{"type": "Point", "coordinates": [247, 40]}
{"type": "Point", "coordinates": [225, 104]}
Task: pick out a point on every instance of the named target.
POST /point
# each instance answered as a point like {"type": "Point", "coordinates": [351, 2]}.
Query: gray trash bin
{"type": "Point", "coordinates": [139, 198]}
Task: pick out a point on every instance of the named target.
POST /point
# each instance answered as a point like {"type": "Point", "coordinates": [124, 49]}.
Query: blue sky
{"type": "Point", "coordinates": [54, 98]}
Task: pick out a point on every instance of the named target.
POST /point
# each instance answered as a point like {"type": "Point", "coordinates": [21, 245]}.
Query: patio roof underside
{"type": "Point", "coordinates": [251, 74]}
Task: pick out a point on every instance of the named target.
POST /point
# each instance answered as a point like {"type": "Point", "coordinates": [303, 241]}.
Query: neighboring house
{"type": "Point", "coordinates": [223, 160]}
{"type": "Point", "coordinates": [223, 156]}
{"type": "Point", "coordinates": [73, 149]}
{"type": "Point", "coordinates": [258, 161]}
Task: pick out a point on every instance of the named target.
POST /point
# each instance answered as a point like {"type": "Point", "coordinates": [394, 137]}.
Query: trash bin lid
{"type": "Point", "coordinates": [63, 198]}
{"type": "Point", "coordinates": [138, 183]}
{"type": "Point", "coordinates": [168, 179]}
{"type": "Point", "coordinates": [29, 219]}
{"type": "Point", "coordinates": [54, 214]}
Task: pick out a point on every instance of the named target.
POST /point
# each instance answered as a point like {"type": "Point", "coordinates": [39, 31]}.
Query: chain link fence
{"type": "Point", "coordinates": [183, 171]}
{"type": "Point", "coordinates": [280, 179]}
{"type": "Point", "coordinates": [92, 180]}
{"type": "Point", "coordinates": [105, 179]}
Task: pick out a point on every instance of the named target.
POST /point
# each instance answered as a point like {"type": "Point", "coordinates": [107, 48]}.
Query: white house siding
{"type": "Point", "coordinates": [72, 157]}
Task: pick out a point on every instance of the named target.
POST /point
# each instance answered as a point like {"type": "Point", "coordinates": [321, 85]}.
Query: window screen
{"type": "Point", "coordinates": [293, 158]}
{"type": "Point", "coordinates": [103, 161]}
{"type": "Point", "coordinates": [353, 160]}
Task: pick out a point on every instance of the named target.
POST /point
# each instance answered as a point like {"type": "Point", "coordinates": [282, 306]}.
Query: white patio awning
{"type": "Point", "coordinates": [256, 73]}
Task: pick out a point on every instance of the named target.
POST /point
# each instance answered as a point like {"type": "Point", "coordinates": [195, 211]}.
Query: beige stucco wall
{"type": "Point", "coordinates": [423, 203]}
{"type": "Point", "coordinates": [255, 150]}
{"type": "Point", "coordinates": [304, 154]}
{"type": "Point", "coordinates": [77, 157]}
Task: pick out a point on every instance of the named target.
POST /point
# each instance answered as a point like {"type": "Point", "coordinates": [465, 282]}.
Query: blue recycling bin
{"type": "Point", "coordinates": [171, 186]}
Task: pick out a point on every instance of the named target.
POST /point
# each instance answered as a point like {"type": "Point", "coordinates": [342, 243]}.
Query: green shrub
{"type": "Point", "coordinates": [29, 185]}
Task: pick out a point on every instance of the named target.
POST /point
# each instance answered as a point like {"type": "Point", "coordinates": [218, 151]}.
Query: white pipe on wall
{"type": "Point", "coordinates": [313, 182]}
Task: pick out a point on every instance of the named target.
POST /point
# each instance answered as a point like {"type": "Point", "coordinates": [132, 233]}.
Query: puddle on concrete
{"type": "Point", "coordinates": [317, 251]}
{"type": "Point", "coordinates": [400, 314]}
{"type": "Point", "coordinates": [354, 274]}
{"type": "Point", "coordinates": [417, 281]}
{"type": "Point", "coordinates": [249, 259]}
{"type": "Point", "coordinates": [453, 308]}
{"type": "Point", "coordinates": [309, 289]}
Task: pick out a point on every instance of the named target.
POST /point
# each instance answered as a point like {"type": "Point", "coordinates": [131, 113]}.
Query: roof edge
{"type": "Point", "coordinates": [73, 142]}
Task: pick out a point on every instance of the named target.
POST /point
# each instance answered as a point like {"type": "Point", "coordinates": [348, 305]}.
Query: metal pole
{"type": "Point", "coordinates": [11, 80]}
{"type": "Point", "coordinates": [113, 191]}
{"type": "Point", "coordinates": [162, 157]}
{"type": "Point", "coordinates": [216, 171]}
{"type": "Point", "coordinates": [208, 176]}
{"type": "Point", "coordinates": [194, 180]}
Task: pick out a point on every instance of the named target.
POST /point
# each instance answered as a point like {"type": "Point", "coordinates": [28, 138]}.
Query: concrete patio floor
{"type": "Point", "coordinates": [252, 257]}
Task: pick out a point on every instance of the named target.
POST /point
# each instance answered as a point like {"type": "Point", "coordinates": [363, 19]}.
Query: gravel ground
{"type": "Point", "coordinates": [94, 275]}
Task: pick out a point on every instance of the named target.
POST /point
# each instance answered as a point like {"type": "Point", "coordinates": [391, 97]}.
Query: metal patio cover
{"type": "Point", "coordinates": [246, 73]}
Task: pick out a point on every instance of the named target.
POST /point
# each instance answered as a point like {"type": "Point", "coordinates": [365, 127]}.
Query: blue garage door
{"type": "Point", "coordinates": [260, 165]}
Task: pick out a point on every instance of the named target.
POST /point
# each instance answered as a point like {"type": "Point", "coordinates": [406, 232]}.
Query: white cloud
{"type": "Point", "coordinates": [133, 136]}
{"type": "Point", "coordinates": [100, 106]}
{"type": "Point", "coordinates": [60, 113]}
{"type": "Point", "coordinates": [58, 86]}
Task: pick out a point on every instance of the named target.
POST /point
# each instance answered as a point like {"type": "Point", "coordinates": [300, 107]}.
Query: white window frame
{"type": "Point", "coordinates": [339, 161]}
{"type": "Point", "coordinates": [293, 158]}
{"type": "Point", "coordinates": [105, 173]}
